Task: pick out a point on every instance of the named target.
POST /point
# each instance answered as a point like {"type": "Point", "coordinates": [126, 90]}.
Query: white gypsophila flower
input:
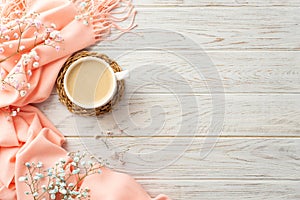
{"type": "Point", "coordinates": [22, 179]}
{"type": "Point", "coordinates": [27, 164]}
{"type": "Point", "coordinates": [39, 165]}
{"type": "Point", "coordinates": [58, 177]}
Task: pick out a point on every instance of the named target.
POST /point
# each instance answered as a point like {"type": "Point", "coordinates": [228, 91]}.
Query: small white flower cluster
{"type": "Point", "coordinates": [52, 37]}
{"type": "Point", "coordinates": [61, 181]}
{"type": "Point", "coordinates": [12, 29]}
{"type": "Point", "coordinates": [18, 76]}
{"type": "Point", "coordinates": [84, 12]}
{"type": "Point", "coordinates": [10, 111]}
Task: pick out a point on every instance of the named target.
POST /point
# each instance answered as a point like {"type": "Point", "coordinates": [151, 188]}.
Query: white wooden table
{"type": "Point", "coordinates": [164, 123]}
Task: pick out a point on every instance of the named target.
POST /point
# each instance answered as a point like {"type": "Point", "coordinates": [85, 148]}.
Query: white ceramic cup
{"type": "Point", "coordinates": [81, 81]}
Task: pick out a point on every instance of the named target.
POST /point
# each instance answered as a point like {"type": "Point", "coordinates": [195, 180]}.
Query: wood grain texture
{"type": "Point", "coordinates": [197, 158]}
{"type": "Point", "coordinates": [225, 3]}
{"type": "Point", "coordinates": [195, 71]}
{"type": "Point", "coordinates": [185, 115]}
{"type": "Point", "coordinates": [163, 133]}
{"type": "Point", "coordinates": [217, 28]}
{"type": "Point", "coordinates": [221, 189]}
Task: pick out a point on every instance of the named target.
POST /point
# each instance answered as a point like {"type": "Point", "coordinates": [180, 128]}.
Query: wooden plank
{"type": "Point", "coordinates": [215, 28]}
{"type": "Point", "coordinates": [225, 190]}
{"type": "Point", "coordinates": [235, 3]}
{"type": "Point", "coordinates": [197, 158]}
{"type": "Point", "coordinates": [159, 71]}
{"type": "Point", "coordinates": [186, 115]}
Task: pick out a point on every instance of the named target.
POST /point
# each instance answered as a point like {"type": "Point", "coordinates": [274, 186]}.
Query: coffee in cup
{"type": "Point", "coordinates": [90, 82]}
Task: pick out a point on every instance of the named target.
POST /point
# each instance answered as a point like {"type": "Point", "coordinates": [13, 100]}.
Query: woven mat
{"type": "Point", "coordinates": [77, 109]}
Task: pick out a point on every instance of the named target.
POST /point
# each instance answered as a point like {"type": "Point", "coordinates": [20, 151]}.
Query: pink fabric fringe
{"type": "Point", "coordinates": [104, 17]}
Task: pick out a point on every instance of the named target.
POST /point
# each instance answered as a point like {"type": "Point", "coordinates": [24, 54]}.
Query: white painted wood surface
{"type": "Point", "coordinates": [231, 158]}
{"type": "Point", "coordinates": [190, 3]}
{"type": "Point", "coordinates": [255, 48]}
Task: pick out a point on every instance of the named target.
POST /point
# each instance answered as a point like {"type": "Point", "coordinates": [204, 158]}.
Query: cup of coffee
{"type": "Point", "coordinates": [90, 82]}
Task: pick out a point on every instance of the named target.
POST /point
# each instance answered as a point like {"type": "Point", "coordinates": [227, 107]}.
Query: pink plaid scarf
{"type": "Point", "coordinates": [36, 38]}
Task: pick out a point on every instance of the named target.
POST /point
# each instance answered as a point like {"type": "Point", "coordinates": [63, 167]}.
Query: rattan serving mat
{"type": "Point", "coordinates": [77, 109]}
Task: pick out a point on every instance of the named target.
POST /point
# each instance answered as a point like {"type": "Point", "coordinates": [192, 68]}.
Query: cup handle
{"type": "Point", "coordinates": [122, 75]}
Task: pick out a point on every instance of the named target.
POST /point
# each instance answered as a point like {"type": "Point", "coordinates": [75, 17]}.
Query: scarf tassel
{"type": "Point", "coordinates": [106, 16]}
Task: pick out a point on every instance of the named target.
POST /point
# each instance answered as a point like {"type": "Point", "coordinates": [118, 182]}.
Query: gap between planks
{"type": "Point", "coordinates": [196, 179]}
{"type": "Point", "coordinates": [192, 136]}
{"type": "Point", "coordinates": [217, 3]}
{"type": "Point", "coordinates": [214, 6]}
